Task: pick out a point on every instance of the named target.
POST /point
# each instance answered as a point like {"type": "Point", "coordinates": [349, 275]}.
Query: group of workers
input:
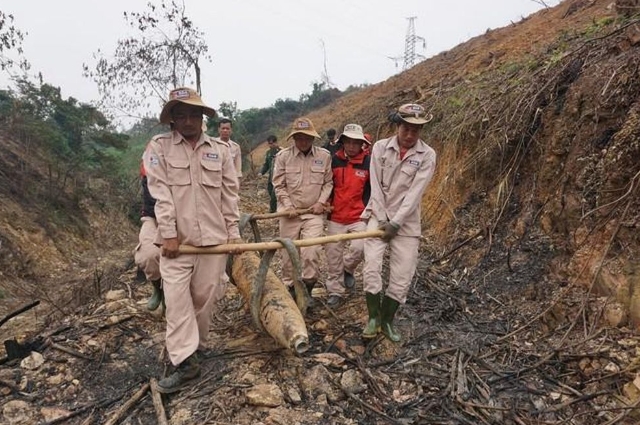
{"type": "Point", "coordinates": [190, 187]}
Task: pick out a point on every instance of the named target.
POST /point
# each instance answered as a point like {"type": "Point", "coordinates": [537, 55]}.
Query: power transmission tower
{"type": "Point", "coordinates": [410, 41]}
{"type": "Point", "coordinates": [410, 44]}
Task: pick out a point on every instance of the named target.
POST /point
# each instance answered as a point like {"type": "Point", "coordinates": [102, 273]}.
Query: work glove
{"type": "Point", "coordinates": [390, 230]}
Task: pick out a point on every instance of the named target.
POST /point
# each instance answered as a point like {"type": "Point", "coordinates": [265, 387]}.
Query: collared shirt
{"type": "Point", "coordinates": [351, 187]}
{"type": "Point", "coordinates": [301, 180]}
{"type": "Point", "coordinates": [196, 190]}
{"type": "Point", "coordinates": [236, 155]}
{"type": "Point", "coordinates": [397, 184]}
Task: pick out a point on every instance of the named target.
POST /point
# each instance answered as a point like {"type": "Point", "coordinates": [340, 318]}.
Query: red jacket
{"type": "Point", "coordinates": [351, 187]}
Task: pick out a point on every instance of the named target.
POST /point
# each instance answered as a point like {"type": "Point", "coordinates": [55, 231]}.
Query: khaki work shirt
{"type": "Point", "coordinates": [236, 156]}
{"type": "Point", "coordinates": [301, 180]}
{"type": "Point", "coordinates": [196, 190]}
{"type": "Point", "coordinates": [397, 184]}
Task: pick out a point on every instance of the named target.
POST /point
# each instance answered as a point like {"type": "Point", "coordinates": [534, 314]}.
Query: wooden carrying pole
{"type": "Point", "coordinates": [265, 246]}
{"type": "Point", "coordinates": [278, 214]}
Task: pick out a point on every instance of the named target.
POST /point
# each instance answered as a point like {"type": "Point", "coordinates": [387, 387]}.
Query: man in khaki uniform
{"type": "Point", "coordinates": [302, 179]}
{"type": "Point", "coordinates": [401, 169]}
{"type": "Point", "coordinates": [147, 253]}
{"type": "Point", "coordinates": [225, 129]}
{"type": "Point", "coordinates": [194, 182]}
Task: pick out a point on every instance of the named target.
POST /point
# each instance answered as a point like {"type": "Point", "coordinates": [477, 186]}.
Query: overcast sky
{"type": "Point", "coordinates": [262, 50]}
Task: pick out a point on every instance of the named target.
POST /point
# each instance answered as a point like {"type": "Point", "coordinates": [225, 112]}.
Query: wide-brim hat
{"type": "Point", "coordinates": [184, 95]}
{"type": "Point", "coordinates": [414, 114]}
{"type": "Point", "coordinates": [305, 126]}
{"type": "Point", "coordinates": [354, 131]}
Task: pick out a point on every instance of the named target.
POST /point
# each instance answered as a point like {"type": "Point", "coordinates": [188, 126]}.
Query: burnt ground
{"type": "Point", "coordinates": [499, 344]}
{"type": "Point", "coordinates": [527, 299]}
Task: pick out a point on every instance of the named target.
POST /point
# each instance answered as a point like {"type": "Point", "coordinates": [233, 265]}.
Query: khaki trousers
{"type": "Point", "coordinates": [302, 227]}
{"type": "Point", "coordinates": [341, 257]}
{"type": "Point", "coordinates": [147, 255]}
{"type": "Point", "coordinates": [403, 260]}
{"type": "Point", "coordinates": [192, 286]}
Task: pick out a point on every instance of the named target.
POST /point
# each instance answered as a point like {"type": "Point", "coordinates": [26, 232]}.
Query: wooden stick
{"type": "Point", "coordinates": [19, 311]}
{"type": "Point", "coordinates": [265, 246]}
{"type": "Point", "coordinates": [69, 351]}
{"type": "Point", "coordinates": [127, 405]}
{"type": "Point", "coordinates": [278, 214]}
{"type": "Point", "coordinates": [156, 397]}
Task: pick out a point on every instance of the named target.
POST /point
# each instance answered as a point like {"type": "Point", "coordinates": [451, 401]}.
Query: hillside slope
{"type": "Point", "coordinates": [536, 129]}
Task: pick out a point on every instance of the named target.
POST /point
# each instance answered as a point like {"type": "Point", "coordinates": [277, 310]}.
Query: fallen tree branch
{"type": "Point", "coordinates": [68, 350]}
{"type": "Point", "coordinates": [10, 316]}
{"type": "Point", "coordinates": [128, 405]}
{"type": "Point", "coordinates": [156, 397]}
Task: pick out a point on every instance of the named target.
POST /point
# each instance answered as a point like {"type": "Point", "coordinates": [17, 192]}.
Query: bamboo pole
{"type": "Point", "coordinates": [279, 214]}
{"type": "Point", "coordinates": [265, 246]}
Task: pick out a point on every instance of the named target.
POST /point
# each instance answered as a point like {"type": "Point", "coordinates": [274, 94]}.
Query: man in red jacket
{"type": "Point", "coordinates": [351, 189]}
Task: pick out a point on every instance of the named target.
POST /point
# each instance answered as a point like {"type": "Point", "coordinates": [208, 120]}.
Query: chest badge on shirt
{"type": "Point", "coordinates": [361, 173]}
{"type": "Point", "coordinates": [210, 156]}
{"type": "Point", "coordinates": [414, 163]}
{"type": "Point", "coordinates": [318, 162]}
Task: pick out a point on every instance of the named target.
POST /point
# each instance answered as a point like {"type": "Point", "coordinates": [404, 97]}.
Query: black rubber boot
{"type": "Point", "coordinates": [387, 313]}
{"type": "Point", "coordinates": [157, 297]}
{"type": "Point", "coordinates": [373, 307]}
{"type": "Point", "coordinates": [349, 281]}
{"type": "Point", "coordinates": [310, 284]}
{"type": "Point", "coordinates": [186, 372]}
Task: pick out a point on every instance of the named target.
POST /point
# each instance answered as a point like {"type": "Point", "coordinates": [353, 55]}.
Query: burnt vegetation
{"type": "Point", "coordinates": [525, 306]}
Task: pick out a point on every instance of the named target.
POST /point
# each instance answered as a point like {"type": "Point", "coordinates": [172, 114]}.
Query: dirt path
{"type": "Point", "coordinates": [480, 346]}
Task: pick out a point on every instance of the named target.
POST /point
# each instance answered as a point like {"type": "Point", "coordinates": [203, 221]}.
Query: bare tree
{"type": "Point", "coordinates": [11, 42]}
{"type": "Point", "coordinates": [541, 2]}
{"type": "Point", "coordinates": [164, 53]}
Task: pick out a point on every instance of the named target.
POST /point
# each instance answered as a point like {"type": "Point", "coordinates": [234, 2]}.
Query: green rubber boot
{"type": "Point", "coordinates": [157, 297]}
{"type": "Point", "coordinates": [373, 306]}
{"type": "Point", "coordinates": [387, 312]}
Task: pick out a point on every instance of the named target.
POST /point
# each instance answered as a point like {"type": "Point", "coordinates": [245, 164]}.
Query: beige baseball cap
{"type": "Point", "coordinates": [354, 131]}
{"type": "Point", "coordinates": [305, 126]}
{"type": "Point", "coordinates": [183, 95]}
{"type": "Point", "coordinates": [414, 114]}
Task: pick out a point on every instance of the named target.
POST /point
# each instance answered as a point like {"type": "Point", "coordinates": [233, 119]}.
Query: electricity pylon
{"type": "Point", "coordinates": [410, 41]}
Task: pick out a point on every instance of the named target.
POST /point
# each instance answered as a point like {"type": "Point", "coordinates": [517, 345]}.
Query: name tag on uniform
{"type": "Point", "coordinates": [361, 173]}
{"type": "Point", "coordinates": [318, 162]}
{"type": "Point", "coordinates": [414, 163]}
{"type": "Point", "coordinates": [209, 156]}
